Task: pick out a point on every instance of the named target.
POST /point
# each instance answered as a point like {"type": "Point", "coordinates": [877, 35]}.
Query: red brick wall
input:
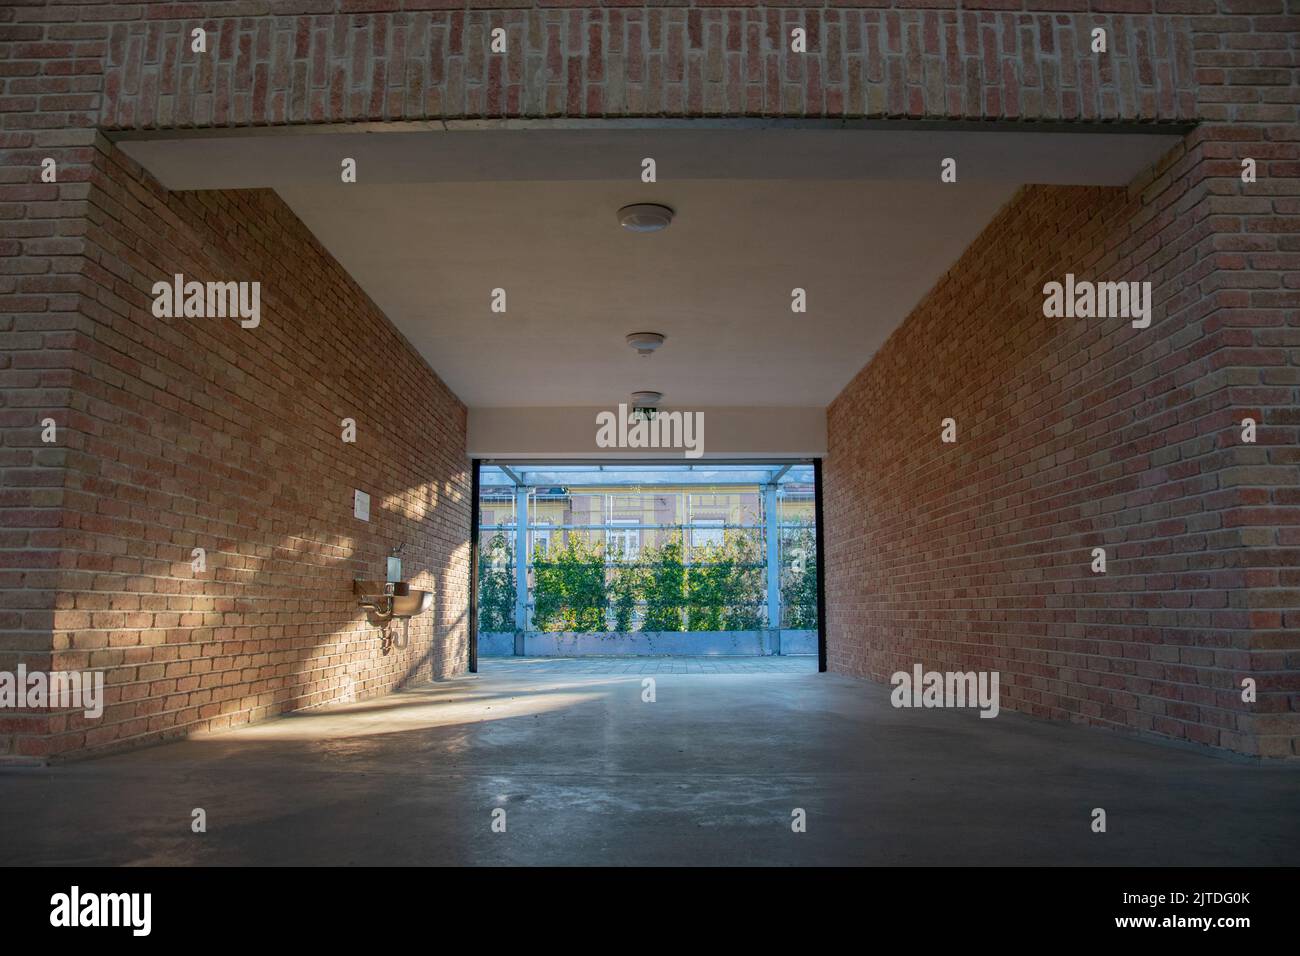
{"type": "Point", "coordinates": [1224, 258]}
{"type": "Point", "coordinates": [1077, 434]}
{"type": "Point", "coordinates": [185, 433]}
{"type": "Point", "coordinates": [41, 230]}
{"type": "Point", "coordinates": [627, 61]}
{"type": "Point", "coordinates": [1082, 433]}
{"type": "Point", "coordinates": [35, 376]}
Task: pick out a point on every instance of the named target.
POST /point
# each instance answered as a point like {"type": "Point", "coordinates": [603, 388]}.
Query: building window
{"type": "Point", "coordinates": [623, 541]}
{"type": "Point", "coordinates": [706, 532]}
{"type": "Point", "coordinates": [542, 538]}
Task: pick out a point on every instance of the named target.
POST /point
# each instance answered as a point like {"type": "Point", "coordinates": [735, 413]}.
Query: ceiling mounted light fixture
{"type": "Point", "coordinates": [646, 399]}
{"type": "Point", "coordinates": [645, 217]}
{"type": "Point", "coordinates": [645, 342]}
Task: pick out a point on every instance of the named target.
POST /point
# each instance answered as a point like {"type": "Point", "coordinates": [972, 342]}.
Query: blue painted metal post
{"type": "Point", "coordinates": [772, 531]}
{"type": "Point", "coordinates": [521, 567]}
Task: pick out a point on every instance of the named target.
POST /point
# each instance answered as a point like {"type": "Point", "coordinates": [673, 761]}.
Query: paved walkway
{"type": "Point", "coordinates": [710, 772]}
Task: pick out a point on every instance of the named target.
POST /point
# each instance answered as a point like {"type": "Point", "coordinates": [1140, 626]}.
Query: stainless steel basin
{"type": "Point", "coordinates": [411, 603]}
{"type": "Point", "coordinates": [385, 601]}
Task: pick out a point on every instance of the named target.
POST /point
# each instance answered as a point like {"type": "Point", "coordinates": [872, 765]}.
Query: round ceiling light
{"type": "Point", "coordinates": [645, 217]}
{"type": "Point", "coordinates": [646, 399]}
{"type": "Point", "coordinates": [645, 342]}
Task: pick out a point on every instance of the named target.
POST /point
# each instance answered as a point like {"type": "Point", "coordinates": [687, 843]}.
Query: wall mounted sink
{"type": "Point", "coordinates": [411, 603]}
{"type": "Point", "coordinates": [386, 601]}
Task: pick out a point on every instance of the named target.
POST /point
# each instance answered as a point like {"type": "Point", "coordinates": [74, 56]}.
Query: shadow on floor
{"type": "Point", "coordinates": [711, 772]}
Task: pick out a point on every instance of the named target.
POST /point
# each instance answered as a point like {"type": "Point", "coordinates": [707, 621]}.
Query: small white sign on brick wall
{"type": "Point", "coordinates": [361, 505]}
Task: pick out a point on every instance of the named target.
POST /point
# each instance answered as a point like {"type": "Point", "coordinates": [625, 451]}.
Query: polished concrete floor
{"type": "Point", "coordinates": [711, 772]}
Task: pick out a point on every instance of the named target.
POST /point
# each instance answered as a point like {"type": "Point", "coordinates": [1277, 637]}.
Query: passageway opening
{"type": "Point", "coordinates": [647, 559]}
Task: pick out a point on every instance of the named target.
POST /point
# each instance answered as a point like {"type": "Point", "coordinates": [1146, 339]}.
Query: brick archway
{"type": "Point", "coordinates": [87, 584]}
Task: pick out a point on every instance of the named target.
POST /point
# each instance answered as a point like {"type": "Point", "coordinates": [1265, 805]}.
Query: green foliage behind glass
{"type": "Point", "coordinates": [799, 587]}
{"type": "Point", "coordinates": [722, 590]}
{"type": "Point", "coordinates": [665, 586]}
{"type": "Point", "coordinates": [725, 585]}
{"type": "Point", "coordinates": [496, 585]}
{"type": "Point", "coordinates": [627, 584]}
{"type": "Point", "coordinates": [569, 587]}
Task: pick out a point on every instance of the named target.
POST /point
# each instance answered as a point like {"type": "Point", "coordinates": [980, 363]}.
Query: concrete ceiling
{"type": "Point", "coordinates": [437, 220]}
{"type": "Point", "coordinates": [717, 283]}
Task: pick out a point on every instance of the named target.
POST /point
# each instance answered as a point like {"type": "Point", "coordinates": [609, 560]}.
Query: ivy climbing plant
{"type": "Point", "coordinates": [627, 584]}
{"type": "Point", "coordinates": [799, 578]}
{"type": "Point", "coordinates": [665, 586]}
{"type": "Point", "coordinates": [725, 585]}
{"type": "Point", "coordinates": [723, 589]}
{"type": "Point", "coordinates": [496, 585]}
{"type": "Point", "coordinates": [569, 587]}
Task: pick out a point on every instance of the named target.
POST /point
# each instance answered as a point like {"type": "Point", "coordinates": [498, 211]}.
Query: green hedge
{"type": "Point", "coordinates": [799, 578]}
{"type": "Point", "coordinates": [575, 589]}
{"type": "Point", "coordinates": [569, 587]}
{"type": "Point", "coordinates": [496, 585]}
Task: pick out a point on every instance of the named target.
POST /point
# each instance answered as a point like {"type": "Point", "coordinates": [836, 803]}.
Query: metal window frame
{"type": "Point", "coordinates": [623, 525]}
{"type": "Point", "coordinates": [472, 639]}
{"type": "Point", "coordinates": [770, 525]}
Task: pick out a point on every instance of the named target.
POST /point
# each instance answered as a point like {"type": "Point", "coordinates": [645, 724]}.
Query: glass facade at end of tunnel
{"type": "Point", "coordinates": [659, 560]}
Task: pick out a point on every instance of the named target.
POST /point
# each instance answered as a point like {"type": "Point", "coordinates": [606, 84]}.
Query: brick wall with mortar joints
{"type": "Point", "coordinates": [1075, 434]}
{"type": "Point", "coordinates": [185, 433]}
{"type": "Point", "coordinates": [924, 64]}
{"type": "Point", "coordinates": [1242, 83]}
{"type": "Point", "coordinates": [41, 292]}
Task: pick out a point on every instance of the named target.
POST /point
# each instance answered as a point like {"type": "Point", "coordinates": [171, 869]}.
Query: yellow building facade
{"type": "Point", "coordinates": [630, 520]}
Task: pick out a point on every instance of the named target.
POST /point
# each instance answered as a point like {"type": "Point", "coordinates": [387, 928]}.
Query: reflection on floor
{"type": "Point", "coordinates": [619, 767]}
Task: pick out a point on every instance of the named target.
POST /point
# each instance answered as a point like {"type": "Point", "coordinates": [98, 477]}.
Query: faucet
{"type": "Point", "coordinates": [392, 599]}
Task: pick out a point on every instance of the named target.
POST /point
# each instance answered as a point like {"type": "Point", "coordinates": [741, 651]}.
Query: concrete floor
{"type": "Point", "coordinates": [707, 774]}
